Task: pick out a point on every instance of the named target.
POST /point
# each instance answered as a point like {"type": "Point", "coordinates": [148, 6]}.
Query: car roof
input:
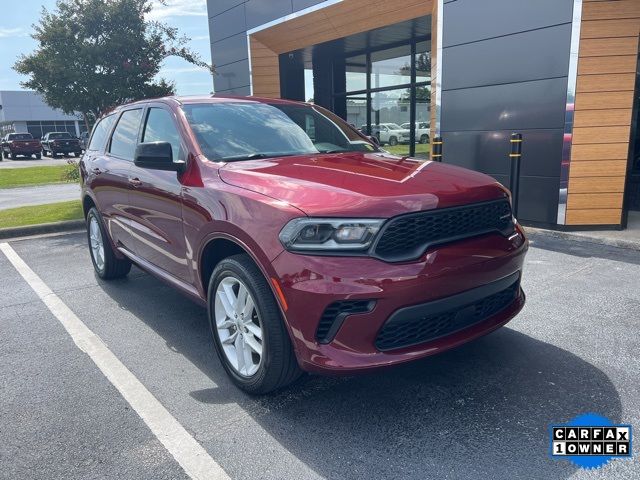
{"type": "Point", "coordinates": [212, 99]}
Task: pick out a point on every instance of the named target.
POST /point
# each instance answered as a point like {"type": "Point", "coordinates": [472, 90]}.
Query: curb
{"type": "Point", "coordinates": [583, 238]}
{"type": "Point", "coordinates": [13, 232]}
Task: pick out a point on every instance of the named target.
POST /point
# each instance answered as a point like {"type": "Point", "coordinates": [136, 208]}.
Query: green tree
{"type": "Point", "coordinates": [93, 55]}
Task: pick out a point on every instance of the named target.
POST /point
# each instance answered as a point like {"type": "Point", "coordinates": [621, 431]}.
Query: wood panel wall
{"type": "Point", "coordinates": [336, 21]}
{"type": "Point", "coordinates": [604, 99]}
{"type": "Point", "coordinates": [265, 70]}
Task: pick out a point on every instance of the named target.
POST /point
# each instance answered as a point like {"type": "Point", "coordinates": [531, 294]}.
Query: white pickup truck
{"type": "Point", "coordinates": [422, 131]}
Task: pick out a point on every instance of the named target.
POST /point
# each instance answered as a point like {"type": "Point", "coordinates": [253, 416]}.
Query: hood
{"type": "Point", "coordinates": [361, 184]}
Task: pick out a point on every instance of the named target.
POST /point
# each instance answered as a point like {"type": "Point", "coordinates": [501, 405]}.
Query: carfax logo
{"type": "Point", "coordinates": [590, 441]}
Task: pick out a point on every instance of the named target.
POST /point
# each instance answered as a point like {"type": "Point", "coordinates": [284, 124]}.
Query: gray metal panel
{"type": "Point", "coordinates": [525, 56]}
{"type": "Point", "coordinates": [263, 11]}
{"type": "Point", "coordinates": [233, 75]}
{"type": "Point", "coordinates": [300, 4]}
{"type": "Point", "coordinates": [229, 50]}
{"type": "Point", "coordinates": [515, 106]}
{"type": "Point", "coordinates": [538, 198]}
{"type": "Point", "coordinates": [472, 20]}
{"type": "Point", "coordinates": [227, 23]}
{"type": "Point", "coordinates": [240, 91]}
{"type": "Point", "coordinates": [488, 152]}
{"type": "Point", "coordinates": [214, 7]}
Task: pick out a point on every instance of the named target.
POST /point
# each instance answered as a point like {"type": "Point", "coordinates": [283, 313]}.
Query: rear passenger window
{"type": "Point", "coordinates": [100, 132]}
{"type": "Point", "coordinates": [125, 136]}
{"type": "Point", "coordinates": [161, 128]}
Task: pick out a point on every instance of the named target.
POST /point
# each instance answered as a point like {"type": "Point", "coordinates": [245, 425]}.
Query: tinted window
{"type": "Point", "coordinates": [57, 135]}
{"type": "Point", "coordinates": [100, 133]}
{"type": "Point", "coordinates": [20, 136]}
{"type": "Point", "coordinates": [161, 128]}
{"type": "Point", "coordinates": [125, 135]}
{"type": "Point", "coordinates": [238, 131]}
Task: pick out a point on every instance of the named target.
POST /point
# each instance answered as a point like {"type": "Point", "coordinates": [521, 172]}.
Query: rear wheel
{"type": "Point", "coordinates": [38, 156]}
{"type": "Point", "coordinates": [250, 336]}
{"type": "Point", "coordinates": [103, 257]}
{"type": "Point", "coordinates": [13, 156]}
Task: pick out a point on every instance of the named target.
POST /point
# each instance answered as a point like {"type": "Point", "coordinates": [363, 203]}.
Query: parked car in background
{"type": "Point", "coordinates": [388, 133]}
{"type": "Point", "coordinates": [84, 140]}
{"type": "Point", "coordinates": [60, 143]}
{"type": "Point", "coordinates": [422, 131]}
{"type": "Point", "coordinates": [20, 144]}
{"type": "Point", "coordinates": [312, 249]}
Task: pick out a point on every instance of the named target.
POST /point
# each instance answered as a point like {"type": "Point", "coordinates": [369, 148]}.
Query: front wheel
{"type": "Point", "coordinates": [250, 336]}
{"type": "Point", "coordinates": [103, 257]}
{"type": "Point", "coordinates": [393, 141]}
{"type": "Point", "coordinates": [424, 139]}
{"type": "Point", "coordinates": [38, 156]}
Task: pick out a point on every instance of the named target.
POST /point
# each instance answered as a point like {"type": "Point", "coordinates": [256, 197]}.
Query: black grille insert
{"type": "Point", "coordinates": [335, 314]}
{"type": "Point", "coordinates": [408, 236]}
{"type": "Point", "coordinates": [428, 321]}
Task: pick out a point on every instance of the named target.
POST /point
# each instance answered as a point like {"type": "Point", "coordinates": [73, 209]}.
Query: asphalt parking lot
{"type": "Point", "coordinates": [481, 411]}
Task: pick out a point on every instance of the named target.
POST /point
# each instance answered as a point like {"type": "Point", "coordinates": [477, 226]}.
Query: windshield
{"type": "Point", "coordinates": [242, 131]}
{"type": "Point", "coordinates": [392, 126]}
{"type": "Point", "coordinates": [20, 136]}
{"type": "Point", "coordinates": [60, 135]}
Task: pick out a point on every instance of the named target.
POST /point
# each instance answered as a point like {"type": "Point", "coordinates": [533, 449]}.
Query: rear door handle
{"type": "Point", "coordinates": [136, 182]}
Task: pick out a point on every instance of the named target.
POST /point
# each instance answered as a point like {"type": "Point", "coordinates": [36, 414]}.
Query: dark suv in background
{"type": "Point", "coordinates": [56, 143]}
{"type": "Point", "coordinates": [312, 248]}
{"type": "Point", "coordinates": [20, 144]}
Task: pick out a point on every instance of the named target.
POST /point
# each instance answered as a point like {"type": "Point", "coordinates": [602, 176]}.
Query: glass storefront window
{"type": "Point", "coordinates": [389, 111]}
{"type": "Point", "coordinates": [356, 73]}
{"type": "Point", "coordinates": [392, 67]}
{"type": "Point", "coordinates": [423, 121]}
{"type": "Point", "coordinates": [423, 62]}
{"type": "Point", "coordinates": [357, 112]}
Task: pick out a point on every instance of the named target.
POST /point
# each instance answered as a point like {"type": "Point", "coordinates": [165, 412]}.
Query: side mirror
{"type": "Point", "coordinates": [374, 140]}
{"type": "Point", "coordinates": [157, 156]}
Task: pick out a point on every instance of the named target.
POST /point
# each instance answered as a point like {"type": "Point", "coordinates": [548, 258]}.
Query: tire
{"type": "Point", "coordinates": [277, 365]}
{"type": "Point", "coordinates": [109, 266]}
{"type": "Point", "coordinates": [13, 156]}
{"type": "Point", "coordinates": [393, 141]}
{"type": "Point", "coordinates": [424, 138]}
{"type": "Point", "coordinates": [38, 156]}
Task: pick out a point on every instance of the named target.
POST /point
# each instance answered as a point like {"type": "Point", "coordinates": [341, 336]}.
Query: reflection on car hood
{"type": "Point", "coordinates": [367, 184]}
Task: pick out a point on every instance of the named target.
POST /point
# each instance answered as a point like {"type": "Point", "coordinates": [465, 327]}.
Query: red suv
{"type": "Point", "coordinates": [313, 249]}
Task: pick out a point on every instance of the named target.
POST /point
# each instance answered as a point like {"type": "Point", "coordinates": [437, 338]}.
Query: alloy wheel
{"type": "Point", "coordinates": [238, 326]}
{"type": "Point", "coordinates": [97, 245]}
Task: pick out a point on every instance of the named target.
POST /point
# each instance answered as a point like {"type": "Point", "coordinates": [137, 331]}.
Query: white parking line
{"type": "Point", "coordinates": [194, 459]}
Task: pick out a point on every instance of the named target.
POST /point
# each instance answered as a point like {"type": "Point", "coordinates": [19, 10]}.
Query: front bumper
{"type": "Point", "coordinates": [311, 283]}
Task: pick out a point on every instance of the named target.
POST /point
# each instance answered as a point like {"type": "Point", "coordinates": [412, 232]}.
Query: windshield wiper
{"type": "Point", "coordinates": [256, 156]}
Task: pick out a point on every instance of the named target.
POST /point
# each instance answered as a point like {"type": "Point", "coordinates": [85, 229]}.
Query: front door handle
{"type": "Point", "coordinates": [96, 171]}
{"type": "Point", "coordinates": [135, 182]}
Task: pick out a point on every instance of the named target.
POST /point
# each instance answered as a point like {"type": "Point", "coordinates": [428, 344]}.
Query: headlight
{"type": "Point", "coordinates": [333, 234]}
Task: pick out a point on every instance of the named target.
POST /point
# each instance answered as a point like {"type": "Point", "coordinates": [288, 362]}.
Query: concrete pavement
{"type": "Point", "coordinates": [480, 411]}
{"type": "Point", "coordinates": [22, 162]}
{"type": "Point", "coordinates": [38, 195]}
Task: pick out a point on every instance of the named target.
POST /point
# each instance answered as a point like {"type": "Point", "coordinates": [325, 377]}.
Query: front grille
{"type": "Point", "coordinates": [407, 237]}
{"type": "Point", "coordinates": [407, 330]}
{"type": "Point", "coordinates": [335, 314]}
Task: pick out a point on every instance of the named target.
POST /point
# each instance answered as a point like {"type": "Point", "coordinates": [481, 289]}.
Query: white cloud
{"type": "Point", "coordinates": [178, 8]}
{"type": "Point", "coordinates": [12, 32]}
{"type": "Point", "coordinates": [176, 70]}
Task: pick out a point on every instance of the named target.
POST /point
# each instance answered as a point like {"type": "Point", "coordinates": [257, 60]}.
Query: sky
{"type": "Point", "coordinates": [189, 16]}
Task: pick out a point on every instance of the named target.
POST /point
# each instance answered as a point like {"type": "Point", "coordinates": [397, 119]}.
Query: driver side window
{"type": "Point", "coordinates": [160, 127]}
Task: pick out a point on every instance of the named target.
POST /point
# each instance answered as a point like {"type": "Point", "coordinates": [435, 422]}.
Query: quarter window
{"type": "Point", "coordinates": [125, 136]}
{"type": "Point", "coordinates": [161, 128]}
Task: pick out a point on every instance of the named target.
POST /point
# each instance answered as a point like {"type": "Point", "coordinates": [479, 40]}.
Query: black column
{"type": "Point", "coordinates": [292, 76]}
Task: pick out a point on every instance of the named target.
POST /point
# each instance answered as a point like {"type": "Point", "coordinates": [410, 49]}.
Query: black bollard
{"type": "Point", "coordinates": [436, 149]}
{"type": "Point", "coordinates": [514, 180]}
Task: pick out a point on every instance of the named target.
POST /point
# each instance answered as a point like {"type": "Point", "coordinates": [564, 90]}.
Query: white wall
{"type": "Point", "coordinates": [27, 106]}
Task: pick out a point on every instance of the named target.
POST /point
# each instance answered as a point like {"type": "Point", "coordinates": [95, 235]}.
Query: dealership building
{"type": "Point", "coordinates": [563, 73]}
{"type": "Point", "coordinates": [24, 111]}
